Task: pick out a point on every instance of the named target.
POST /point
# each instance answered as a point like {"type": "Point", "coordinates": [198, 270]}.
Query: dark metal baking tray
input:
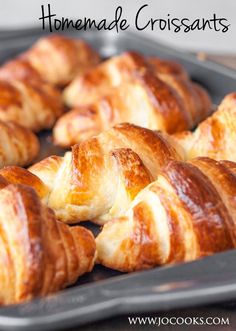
{"type": "Point", "coordinates": [105, 293]}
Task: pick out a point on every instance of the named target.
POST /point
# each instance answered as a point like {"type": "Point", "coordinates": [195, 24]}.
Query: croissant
{"type": "Point", "coordinates": [215, 137]}
{"type": "Point", "coordinates": [33, 104]}
{"type": "Point", "coordinates": [163, 67]}
{"type": "Point", "coordinates": [18, 145]}
{"type": "Point", "coordinates": [17, 175]}
{"type": "Point", "coordinates": [55, 59]}
{"type": "Point", "coordinates": [101, 176]}
{"type": "Point", "coordinates": [86, 88]}
{"type": "Point", "coordinates": [189, 212]}
{"type": "Point", "coordinates": [39, 254]}
{"type": "Point", "coordinates": [19, 69]}
{"type": "Point", "coordinates": [169, 104]}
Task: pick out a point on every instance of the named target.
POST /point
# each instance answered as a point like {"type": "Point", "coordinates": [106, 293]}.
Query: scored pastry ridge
{"type": "Point", "coordinates": [99, 178]}
{"type": "Point", "coordinates": [127, 88]}
{"type": "Point", "coordinates": [41, 254]}
{"type": "Point", "coordinates": [28, 84]}
{"type": "Point", "coordinates": [55, 59]}
{"type": "Point", "coordinates": [215, 136]}
{"type": "Point", "coordinates": [186, 214]}
{"type": "Point", "coordinates": [18, 145]}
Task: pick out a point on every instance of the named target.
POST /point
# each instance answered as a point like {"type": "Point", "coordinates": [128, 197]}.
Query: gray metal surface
{"type": "Point", "coordinates": [105, 293]}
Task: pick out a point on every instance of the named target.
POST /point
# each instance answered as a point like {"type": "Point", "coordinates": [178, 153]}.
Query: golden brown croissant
{"type": "Point", "coordinates": [189, 212]}
{"type": "Point", "coordinates": [215, 137]}
{"type": "Point", "coordinates": [19, 69]}
{"type": "Point", "coordinates": [34, 104]}
{"type": "Point", "coordinates": [18, 175]}
{"type": "Point", "coordinates": [101, 176]}
{"type": "Point", "coordinates": [169, 104]}
{"type": "Point", "coordinates": [38, 254]}
{"type": "Point", "coordinates": [97, 82]}
{"type": "Point", "coordinates": [86, 88]}
{"type": "Point", "coordinates": [18, 145]}
{"type": "Point", "coordinates": [167, 67]}
{"type": "Point", "coordinates": [56, 59]}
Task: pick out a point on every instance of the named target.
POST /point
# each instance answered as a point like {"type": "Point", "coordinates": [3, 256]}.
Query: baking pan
{"type": "Point", "coordinates": [103, 292]}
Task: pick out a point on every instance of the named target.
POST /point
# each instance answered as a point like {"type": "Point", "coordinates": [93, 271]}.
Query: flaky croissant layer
{"type": "Point", "coordinates": [129, 88]}
{"type": "Point", "coordinates": [38, 254]}
{"type": "Point", "coordinates": [35, 105]}
{"type": "Point", "coordinates": [215, 137]}
{"type": "Point", "coordinates": [189, 212]}
{"type": "Point", "coordinates": [101, 176]}
{"type": "Point", "coordinates": [18, 145]}
{"type": "Point", "coordinates": [28, 92]}
{"type": "Point", "coordinates": [55, 59]}
{"type": "Point", "coordinates": [87, 88]}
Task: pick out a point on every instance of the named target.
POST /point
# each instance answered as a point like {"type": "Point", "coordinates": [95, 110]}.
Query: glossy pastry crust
{"type": "Point", "coordinates": [186, 214]}
{"type": "Point", "coordinates": [215, 137]}
{"type": "Point", "coordinates": [18, 175]}
{"type": "Point", "coordinates": [28, 93]}
{"type": "Point", "coordinates": [39, 254]}
{"type": "Point", "coordinates": [34, 104]}
{"type": "Point", "coordinates": [100, 177]}
{"type": "Point", "coordinates": [127, 89]}
{"type": "Point", "coordinates": [86, 88]}
{"type": "Point", "coordinates": [18, 145]}
{"type": "Point", "coordinates": [55, 59]}
{"type": "Point", "coordinates": [163, 67]}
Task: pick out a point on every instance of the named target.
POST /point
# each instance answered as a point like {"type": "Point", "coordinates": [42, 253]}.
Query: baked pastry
{"type": "Point", "coordinates": [101, 176]}
{"type": "Point", "coordinates": [189, 212]}
{"type": "Point", "coordinates": [56, 59]}
{"type": "Point", "coordinates": [215, 137]}
{"type": "Point", "coordinates": [97, 82]}
{"type": "Point", "coordinates": [19, 69]}
{"type": "Point", "coordinates": [86, 88]}
{"type": "Point", "coordinates": [163, 67]}
{"type": "Point", "coordinates": [169, 104]}
{"type": "Point", "coordinates": [34, 104]}
{"type": "Point", "coordinates": [39, 254]}
{"type": "Point", "coordinates": [18, 145]}
{"type": "Point", "coordinates": [18, 175]}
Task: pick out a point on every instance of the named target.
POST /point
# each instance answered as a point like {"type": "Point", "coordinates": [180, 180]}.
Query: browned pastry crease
{"type": "Point", "coordinates": [86, 88]}
{"type": "Point", "coordinates": [169, 104]}
{"type": "Point", "coordinates": [27, 92]}
{"type": "Point", "coordinates": [97, 82]}
{"type": "Point", "coordinates": [19, 69]}
{"type": "Point", "coordinates": [18, 145]}
{"type": "Point", "coordinates": [59, 59]}
{"type": "Point", "coordinates": [38, 254]}
{"type": "Point", "coordinates": [101, 176]}
{"type": "Point", "coordinates": [215, 137]}
{"type": "Point", "coordinates": [3, 182]}
{"type": "Point", "coordinates": [34, 104]}
{"type": "Point", "coordinates": [186, 214]}
{"type": "Point", "coordinates": [167, 67]}
{"type": "Point", "coordinates": [18, 175]}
